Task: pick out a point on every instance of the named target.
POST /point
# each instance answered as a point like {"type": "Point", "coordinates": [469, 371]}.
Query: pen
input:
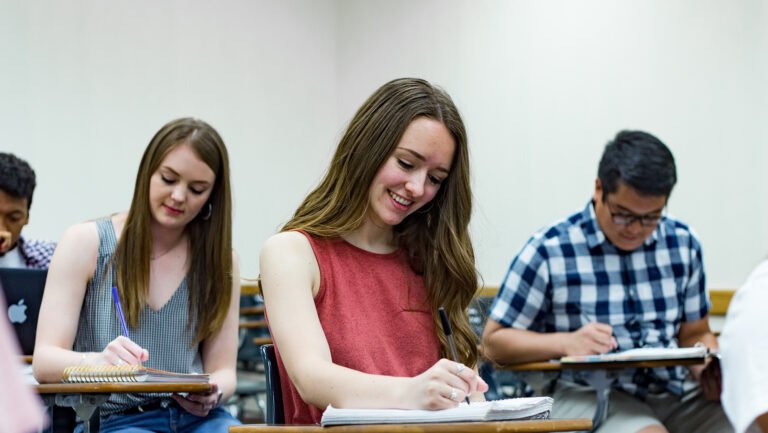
{"type": "Point", "coordinates": [449, 335]}
{"type": "Point", "coordinates": [119, 310]}
{"type": "Point", "coordinates": [587, 319]}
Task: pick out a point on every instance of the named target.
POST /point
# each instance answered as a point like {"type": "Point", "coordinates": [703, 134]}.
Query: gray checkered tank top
{"type": "Point", "coordinates": [163, 333]}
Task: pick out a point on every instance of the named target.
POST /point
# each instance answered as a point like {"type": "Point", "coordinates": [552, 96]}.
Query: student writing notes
{"type": "Point", "coordinates": [619, 274]}
{"type": "Point", "coordinates": [353, 282]}
{"type": "Point", "coordinates": [170, 258]}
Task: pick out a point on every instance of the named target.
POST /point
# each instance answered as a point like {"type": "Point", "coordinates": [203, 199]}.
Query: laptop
{"type": "Point", "coordinates": [23, 290]}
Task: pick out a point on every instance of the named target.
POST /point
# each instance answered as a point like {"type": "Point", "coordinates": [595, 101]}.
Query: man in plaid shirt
{"type": "Point", "coordinates": [17, 183]}
{"type": "Point", "coordinates": [615, 276]}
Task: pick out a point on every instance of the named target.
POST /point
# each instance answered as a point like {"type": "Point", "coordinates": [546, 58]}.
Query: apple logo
{"type": "Point", "coordinates": [17, 312]}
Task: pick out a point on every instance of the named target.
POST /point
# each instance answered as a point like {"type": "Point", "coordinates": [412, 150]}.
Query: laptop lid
{"type": "Point", "coordinates": [23, 290]}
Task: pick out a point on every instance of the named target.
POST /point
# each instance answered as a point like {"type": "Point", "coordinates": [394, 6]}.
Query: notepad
{"type": "Point", "coordinates": [126, 373]}
{"type": "Point", "coordinates": [642, 354]}
{"type": "Point", "coordinates": [496, 410]}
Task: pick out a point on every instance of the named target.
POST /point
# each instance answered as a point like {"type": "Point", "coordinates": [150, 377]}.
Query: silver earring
{"type": "Point", "coordinates": [209, 213]}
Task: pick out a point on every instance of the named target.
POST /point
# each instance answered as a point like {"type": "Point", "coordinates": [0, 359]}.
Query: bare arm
{"type": "Point", "coordinates": [506, 345]}
{"type": "Point", "coordinates": [290, 279]}
{"type": "Point", "coordinates": [72, 266]}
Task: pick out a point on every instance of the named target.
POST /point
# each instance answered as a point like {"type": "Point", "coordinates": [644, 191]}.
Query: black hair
{"type": "Point", "coordinates": [641, 161]}
{"type": "Point", "coordinates": [16, 177]}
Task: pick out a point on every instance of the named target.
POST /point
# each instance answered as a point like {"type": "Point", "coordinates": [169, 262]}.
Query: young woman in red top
{"type": "Point", "coordinates": [353, 282]}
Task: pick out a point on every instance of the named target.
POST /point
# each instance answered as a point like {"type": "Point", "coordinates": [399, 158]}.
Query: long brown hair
{"type": "Point", "coordinates": [209, 277]}
{"type": "Point", "coordinates": [436, 236]}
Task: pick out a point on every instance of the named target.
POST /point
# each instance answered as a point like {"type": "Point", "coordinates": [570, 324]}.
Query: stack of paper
{"type": "Point", "coordinates": [642, 354]}
{"type": "Point", "coordinates": [497, 410]}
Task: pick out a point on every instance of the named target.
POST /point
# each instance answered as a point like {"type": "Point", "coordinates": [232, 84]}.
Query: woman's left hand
{"type": "Point", "coordinates": [200, 403]}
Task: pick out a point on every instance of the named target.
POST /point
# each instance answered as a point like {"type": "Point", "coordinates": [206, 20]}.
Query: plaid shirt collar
{"type": "Point", "coordinates": [595, 235]}
{"type": "Point", "coordinates": [36, 254]}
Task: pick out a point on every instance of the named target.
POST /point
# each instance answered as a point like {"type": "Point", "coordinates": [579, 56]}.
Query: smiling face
{"type": "Point", "coordinates": [180, 187]}
{"type": "Point", "coordinates": [411, 176]}
{"type": "Point", "coordinates": [626, 204]}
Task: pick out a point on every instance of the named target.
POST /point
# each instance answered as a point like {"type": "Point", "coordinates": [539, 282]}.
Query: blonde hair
{"type": "Point", "coordinates": [209, 278]}
{"type": "Point", "coordinates": [437, 236]}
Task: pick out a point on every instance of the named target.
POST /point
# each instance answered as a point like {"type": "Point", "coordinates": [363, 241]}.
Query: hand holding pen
{"type": "Point", "coordinates": [452, 345]}
{"type": "Point", "coordinates": [121, 350]}
{"type": "Point", "coordinates": [593, 338]}
{"type": "Point", "coordinates": [444, 384]}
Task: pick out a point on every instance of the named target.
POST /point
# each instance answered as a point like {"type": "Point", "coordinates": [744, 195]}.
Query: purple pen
{"type": "Point", "coordinates": [119, 310]}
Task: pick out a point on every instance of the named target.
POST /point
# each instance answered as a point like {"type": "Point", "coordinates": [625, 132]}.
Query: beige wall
{"type": "Point", "coordinates": [542, 85]}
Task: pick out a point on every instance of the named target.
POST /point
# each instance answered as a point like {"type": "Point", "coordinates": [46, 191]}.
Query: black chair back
{"type": "Point", "coordinates": [275, 414]}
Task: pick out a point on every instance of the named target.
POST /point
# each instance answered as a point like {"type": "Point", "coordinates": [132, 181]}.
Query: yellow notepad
{"type": "Point", "coordinates": [126, 373]}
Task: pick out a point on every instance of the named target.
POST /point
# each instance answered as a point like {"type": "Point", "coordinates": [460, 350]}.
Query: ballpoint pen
{"type": "Point", "coordinates": [119, 310]}
{"type": "Point", "coordinates": [449, 335]}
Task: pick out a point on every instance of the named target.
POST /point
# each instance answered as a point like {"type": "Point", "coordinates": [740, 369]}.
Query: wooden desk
{"type": "Point", "coordinates": [555, 365]}
{"type": "Point", "coordinates": [549, 425]}
{"type": "Point", "coordinates": [84, 398]}
{"type": "Point", "coordinates": [599, 375]}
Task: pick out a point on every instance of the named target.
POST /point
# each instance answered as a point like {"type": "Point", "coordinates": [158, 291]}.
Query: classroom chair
{"type": "Point", "coordinates": [274, 415]}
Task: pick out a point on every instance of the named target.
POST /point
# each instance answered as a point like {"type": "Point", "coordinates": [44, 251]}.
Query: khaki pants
{"type": "Point", "coordinates": [689, 413]}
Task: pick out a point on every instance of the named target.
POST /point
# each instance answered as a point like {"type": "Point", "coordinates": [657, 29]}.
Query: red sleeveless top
{"type": "Point", "coordinates": [375, 315]}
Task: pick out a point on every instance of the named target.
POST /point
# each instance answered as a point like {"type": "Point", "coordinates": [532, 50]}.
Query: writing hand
{"type": "Point", "coordinates": [591, 339]}
{"type": "Point", "coordinates": [444, 385]}
{"type": "Point", "coordinates": [200, 403]}
{"type": "Point", "coordinates": [120, 351]}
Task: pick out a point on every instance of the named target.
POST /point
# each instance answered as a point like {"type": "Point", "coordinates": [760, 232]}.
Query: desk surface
{"type": "Point", "coordinates": [609, 365]}
{"type": "Point", "coordinates": [129, 387]}
{"type": "Point", "coordinates": [550, 425]}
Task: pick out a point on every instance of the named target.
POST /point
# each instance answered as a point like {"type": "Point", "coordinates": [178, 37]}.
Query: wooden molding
{"type": "Point", "coordinates": [720, 298]}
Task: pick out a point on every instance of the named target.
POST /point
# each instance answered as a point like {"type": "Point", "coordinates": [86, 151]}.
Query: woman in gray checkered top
{"type": "Point", "coordinates": [170, 257]}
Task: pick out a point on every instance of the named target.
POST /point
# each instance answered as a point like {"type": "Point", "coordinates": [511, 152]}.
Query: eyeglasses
{"type": "Point", "coordinates": [627, 218]}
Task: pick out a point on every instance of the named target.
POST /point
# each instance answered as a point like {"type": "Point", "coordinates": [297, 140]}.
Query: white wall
{"type": "Point", "coordinates": [542, 85]}
{"type": "Point", "coordinates": [86, 84]}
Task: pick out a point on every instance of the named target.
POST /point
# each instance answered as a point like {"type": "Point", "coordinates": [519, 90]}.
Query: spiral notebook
{"type": "Point", "coordinates": [496, 410]}
{"type": "Point", "coordinates": [127, 373]}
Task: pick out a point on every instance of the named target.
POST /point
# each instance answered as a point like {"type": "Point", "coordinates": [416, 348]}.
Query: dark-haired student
{"type": "Point", "coordinates": [170, 257]}
{"type": "Point", "coordinates": [353, 283]}
{"type": "Point", "coordinates": [17, 185]}
{"type": "Point", "coordinates": [617, 275]}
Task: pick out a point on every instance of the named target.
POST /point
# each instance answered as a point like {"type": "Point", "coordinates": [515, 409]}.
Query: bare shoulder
{"type": "Point", "coordinates": [290, 243]}
{"type": "Point", "coordinates": [74, 260]}
{"type": "Point", "coordinates": [287, 262]}
{"type": "Point", "coordinates": [83, 236]}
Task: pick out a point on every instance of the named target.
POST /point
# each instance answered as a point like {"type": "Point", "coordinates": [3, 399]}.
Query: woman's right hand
{"type": "Point", "coordinates": [445, 385]}
{"type": "Point", "coordinates": [120, 351]}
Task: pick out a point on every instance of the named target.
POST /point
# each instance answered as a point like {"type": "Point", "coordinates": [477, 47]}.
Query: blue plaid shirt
{"type": "Point", "coordinates": [36, 254]}
{"type": "Point", "coordinates": [569, 274]}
